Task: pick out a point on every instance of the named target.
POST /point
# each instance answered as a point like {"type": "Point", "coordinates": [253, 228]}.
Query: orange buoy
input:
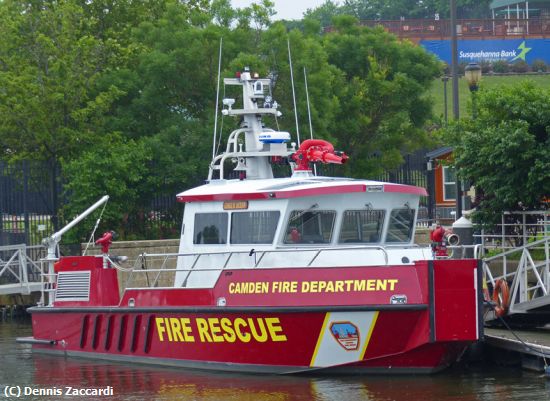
{"type": "Point", "coordinates": [501, 297]}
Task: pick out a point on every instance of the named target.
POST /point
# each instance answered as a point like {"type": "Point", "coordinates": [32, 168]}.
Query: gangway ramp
{"type": "Point", "coordinates": [19, 273]}
{"type": "Point", "coordinates": [524, 265]}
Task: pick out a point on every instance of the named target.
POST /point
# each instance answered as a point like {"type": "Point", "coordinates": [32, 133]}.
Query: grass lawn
{"type": "Point", "coordinates": [487, 81]}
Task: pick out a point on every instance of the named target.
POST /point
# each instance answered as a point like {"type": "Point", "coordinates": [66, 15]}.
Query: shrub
{"type": "Point", "coordinates": [500, 66]}
{"type": "Point", "coordinates": [520, 66]}
{"type": "Point", "coordinates": [539, 66]}
{"type": "Point", "coordinates": [486, 67]}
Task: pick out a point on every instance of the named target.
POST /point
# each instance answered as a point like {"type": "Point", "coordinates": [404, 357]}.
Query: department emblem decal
{"type": "Point", "coordinates": [347, 335]}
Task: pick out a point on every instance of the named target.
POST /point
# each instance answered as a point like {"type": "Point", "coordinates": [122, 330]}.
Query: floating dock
{"type": "Point", "coordinates": [527, 348]}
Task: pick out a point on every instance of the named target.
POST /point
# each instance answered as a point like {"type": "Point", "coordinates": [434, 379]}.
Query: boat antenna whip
{"type": "Point", "coordinates": [217, 101]}
{"type": "Point", "coordinates": [293, 92]}
{"type": "Point", "coordinates": [309, 117]}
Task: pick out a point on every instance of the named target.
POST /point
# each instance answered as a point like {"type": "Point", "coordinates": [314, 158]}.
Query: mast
{"type": "Point", "coordinates": [260, 143]}
{"type": "Point", "coordinates": [253, 154]}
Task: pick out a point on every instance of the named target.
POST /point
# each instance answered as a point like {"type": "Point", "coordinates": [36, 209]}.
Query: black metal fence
{"type": "Point", "coordinates": [31, 192]}
{"type": "Point", "coordinates": [27, 198]}
{"type": "Point", "coordinates": [414, 172]}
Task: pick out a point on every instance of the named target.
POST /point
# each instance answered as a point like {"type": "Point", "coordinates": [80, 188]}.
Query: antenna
{"type": "Point", "coordinates": [308, 109]}
{"type": "Point", "coordinates": [217, 100]}
{"type": "Point", "coordinates": [293, 94]}
{"type": "Point", "coordinates": [309, 116]}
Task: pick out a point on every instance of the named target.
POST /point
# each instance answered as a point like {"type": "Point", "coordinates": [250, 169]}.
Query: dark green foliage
{"type": "Point", "coordinates": [124, 100]}
{"type": "Point", "coordinates": [501, 66]}
{"type": "Point", "coordinates": [486, 67]}
{"type": "Point", "coordinates": [505, 152]}
{"type": "Point", "coordinates": [395, 9]}
{"type": "Point", "coordinates": [539, 66]}
{"type": "Point", "coordinates": [520, 66]}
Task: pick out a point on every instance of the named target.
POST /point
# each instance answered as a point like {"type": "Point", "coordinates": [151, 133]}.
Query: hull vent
{"type": "Point", "coordinates": [73, 286]}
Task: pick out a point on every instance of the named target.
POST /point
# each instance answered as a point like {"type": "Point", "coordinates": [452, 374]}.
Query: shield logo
{"type": "Point", "coordinates": [347, 335]}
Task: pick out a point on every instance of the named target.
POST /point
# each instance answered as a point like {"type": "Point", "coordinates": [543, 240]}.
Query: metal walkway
{"type": "Point", "coordinates": [19, 273]}
{"type": "Point", "coordinates": [522, 259]}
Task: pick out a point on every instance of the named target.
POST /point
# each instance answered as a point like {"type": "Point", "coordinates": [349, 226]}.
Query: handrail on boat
{"type": "Point", "coordinates": [264, 252]}
{"type": "Point", "coordinates": [223, 264]}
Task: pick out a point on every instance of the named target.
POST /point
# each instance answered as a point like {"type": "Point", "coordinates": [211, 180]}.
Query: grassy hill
{"type": "Point", "coordinates": [487, 81]}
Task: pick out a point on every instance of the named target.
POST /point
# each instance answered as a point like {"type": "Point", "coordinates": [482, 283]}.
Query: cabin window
{"type": "Point", "coordinates": [400, 227]}
{"type": "Point", "coordinates": [449, 183]}
{"type": "Point", "coordinates": [210, 228]}
{"type": "Point", "coordinates": [362, 226]}
{"type": "Point", "coordinates": [254, 227]}
{"type": "Point", "coordinates": [310, 227]}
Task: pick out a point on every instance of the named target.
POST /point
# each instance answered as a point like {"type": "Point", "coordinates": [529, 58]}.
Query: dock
{"type": "Point", "coordinates": [528, 350]}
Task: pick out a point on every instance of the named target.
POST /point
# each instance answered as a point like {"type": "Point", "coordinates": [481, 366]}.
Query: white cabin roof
{"type": "Point", "coordinates": [291, 187]}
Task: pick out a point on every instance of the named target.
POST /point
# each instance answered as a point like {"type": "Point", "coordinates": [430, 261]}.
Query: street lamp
{"type": "Point", "coordinates": [472, 73]}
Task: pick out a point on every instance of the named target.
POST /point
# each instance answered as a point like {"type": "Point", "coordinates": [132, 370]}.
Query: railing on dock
{"type": "Point", "coordinates": [19, 271]}
{"type": "Point", "coordinates": [518, 251]}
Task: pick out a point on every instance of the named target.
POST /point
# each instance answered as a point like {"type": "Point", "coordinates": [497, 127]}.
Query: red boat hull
{"type": "Point", "coordinates": [419, 322]}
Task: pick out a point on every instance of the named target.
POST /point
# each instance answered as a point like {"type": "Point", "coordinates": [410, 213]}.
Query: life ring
{"type": "Point", "coordinates": [501, 297]}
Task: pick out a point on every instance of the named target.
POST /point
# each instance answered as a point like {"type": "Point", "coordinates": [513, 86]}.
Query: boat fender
{"type": "Point", "coordinates": [501, 297]}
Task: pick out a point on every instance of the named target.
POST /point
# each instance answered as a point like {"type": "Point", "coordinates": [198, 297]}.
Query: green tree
{"type": "Point", "coordinates": [115, 167]}
{"type": "Point", "coordinates": [396, 9]}
{"type": "Point", "coordinates": [383, 103]}
{"type": "Point", "coordinates": [505, 152]}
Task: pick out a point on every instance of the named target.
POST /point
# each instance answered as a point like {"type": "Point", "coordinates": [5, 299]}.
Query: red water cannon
{"type": "Point", "coordinates": [317, 150]}
{"type": "Point", "coordinates": [106, 241]}
{"type": "Point", "coordinates": [441, 237]}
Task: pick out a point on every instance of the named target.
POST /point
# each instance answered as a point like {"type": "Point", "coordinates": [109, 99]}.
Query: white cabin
{"type": "Point", "coordinates": [304, 220]}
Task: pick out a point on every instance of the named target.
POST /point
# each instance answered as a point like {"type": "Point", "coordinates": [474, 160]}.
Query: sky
{"type": "Point", "coordinates": [286, 9]}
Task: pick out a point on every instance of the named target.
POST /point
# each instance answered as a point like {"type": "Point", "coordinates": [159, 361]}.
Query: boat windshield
{"type": "Point", "coordinates": [362, 226]}
{"type": "Point", "coordinates": [254, 227]}
{"type": "Point", "coordinates": [210, 228]}
{"type": "Point", "coordinates": [310, 227]}
{"type": "Point", "coordinates": [400, 226]}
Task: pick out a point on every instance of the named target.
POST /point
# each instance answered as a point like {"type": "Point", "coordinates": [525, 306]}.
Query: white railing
{"type": "Point", "coordinates": [530, 276]}
{"type": "Point", "coordinates": [19, 274]}
{"type": "Point", "coordinates": [522, 246]}
{"type": "Point", "coordinates": [159, 264]}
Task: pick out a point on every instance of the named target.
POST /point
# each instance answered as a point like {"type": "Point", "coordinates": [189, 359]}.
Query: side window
{"type": "Point", "coordinates": [362, 226]}
{"type": "Point", "coordinates": [254, 227]}
{"type": "Point", "coordinates": [449, 183]}
{"type": "Point", "coordinates": [310, 227]}
{"type": "Point", "coordinates": [400, 226]}
{"type": "Point", "coordinates": [210, 228]}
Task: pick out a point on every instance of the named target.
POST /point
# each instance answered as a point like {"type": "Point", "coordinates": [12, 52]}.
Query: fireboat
{"type": "Point", "coordinates": [273, 275]}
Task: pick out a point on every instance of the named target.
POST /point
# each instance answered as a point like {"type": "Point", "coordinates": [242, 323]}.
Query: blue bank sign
{"type": "Point", "coordinates": [491, 50]}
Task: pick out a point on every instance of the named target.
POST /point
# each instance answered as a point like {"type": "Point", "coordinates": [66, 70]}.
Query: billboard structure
{"type": "Point", "coordinates": [491, 50]}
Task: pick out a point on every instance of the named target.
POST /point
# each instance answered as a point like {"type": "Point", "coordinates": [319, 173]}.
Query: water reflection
{"type": "Point", "coordinates": [171, 384]}
{"type": "Point", "coordinates": [135, 382]}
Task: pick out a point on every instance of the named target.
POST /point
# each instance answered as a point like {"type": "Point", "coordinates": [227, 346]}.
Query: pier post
{"type": "Point", "coordinates": [465, 231]}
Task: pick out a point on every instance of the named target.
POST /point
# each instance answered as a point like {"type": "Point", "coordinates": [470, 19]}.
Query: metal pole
{"type": "Point", "coordinates": [25, 201]}
{"type": "Point", "coordinates": [217, 99]}
{"type": "Point", "coordinates": [456, 114]}
{"type": "Point", "coordinates": [454, 60]}
{"type": "Point", "coordinates": [445, 79]}
{"type": "Point", "coordinates": [293, 92]}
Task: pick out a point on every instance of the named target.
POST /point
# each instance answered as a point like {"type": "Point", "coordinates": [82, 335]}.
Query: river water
{"type": "Point", "coordinates": [32, 372]}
